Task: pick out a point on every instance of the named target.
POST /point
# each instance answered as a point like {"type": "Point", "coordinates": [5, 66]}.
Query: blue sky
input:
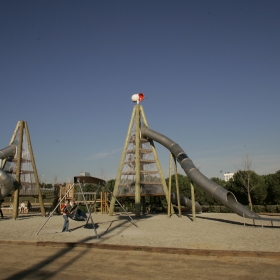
{"type": "Point", "coordinates": [209, 71]}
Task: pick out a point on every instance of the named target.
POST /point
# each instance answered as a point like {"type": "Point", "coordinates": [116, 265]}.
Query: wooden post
{"type": "Point", "coordinates": [101, 202]}
{"type": "Point", "coordinates": [177, 188]}
{"type": "Point", "coordinates": [94, 206]}
{"type": "Point", "coordinates": [34, 170]}
{"type": "Point", "coordinates": [193, 202]}
{"type": "Point", "coordinates": [169, 188]}
{"type": "Point", "coordinates": [137, 163]}
{"type": "Point", "coordinates": [105, 202]}
{"type": "Point", "coordinates": [19, 152]}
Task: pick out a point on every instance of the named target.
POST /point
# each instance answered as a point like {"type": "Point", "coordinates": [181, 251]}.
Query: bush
{"type": "Point", "coordinates": [256, 209]}
{"type": "Point", "coordinates": [272, 208]}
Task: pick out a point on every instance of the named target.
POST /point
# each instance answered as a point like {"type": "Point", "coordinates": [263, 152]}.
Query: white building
{"type": "Point", "coordinates": [228, 175]}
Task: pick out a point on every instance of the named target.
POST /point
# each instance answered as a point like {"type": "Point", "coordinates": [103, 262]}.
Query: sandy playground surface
{"type": "Point", "coordinates": [214, 231]}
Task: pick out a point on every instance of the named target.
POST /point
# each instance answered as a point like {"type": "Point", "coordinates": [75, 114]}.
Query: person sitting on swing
{"type": "Point", "coordinates": [68, 210]}
{"type": "Point", "coordinates": [72, 208]}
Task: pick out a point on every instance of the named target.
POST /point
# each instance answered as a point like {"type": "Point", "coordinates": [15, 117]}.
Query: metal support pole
{"type": "Point", "coordinates": [93, 206]}
{"type": "Point", "coordinates": [55, 209]}
{"type": "Point", "coordinates": [121, 206]}
{"type": "Point", "coordinates": [81, 189]}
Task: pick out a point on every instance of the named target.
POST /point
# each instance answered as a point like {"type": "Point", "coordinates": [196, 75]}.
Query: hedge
{"type": "Point", "coordinates": [256, 209]}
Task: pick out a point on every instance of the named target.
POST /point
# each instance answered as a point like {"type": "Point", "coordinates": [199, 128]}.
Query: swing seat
{"type": "Point", "coordinates": [79, 216]}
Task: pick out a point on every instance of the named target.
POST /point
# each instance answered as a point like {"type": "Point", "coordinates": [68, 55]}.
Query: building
{"type": "Point", "coordinates": [228, 175]}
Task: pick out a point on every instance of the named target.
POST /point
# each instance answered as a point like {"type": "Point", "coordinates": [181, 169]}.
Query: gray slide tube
{"type": "Point", "coordinates": [8, 151]}
{"type": "Point", "coordinates": [184, 201]}
{"type": "Point", "coordinates": [220, 194]}
{"type": "Point", "coordinates": [6, 181]}
{"type": "Point", "coordinates": [6, 184]}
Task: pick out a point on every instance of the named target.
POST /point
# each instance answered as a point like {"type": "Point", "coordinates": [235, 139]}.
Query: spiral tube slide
{"type": "Point", "coordinates": [216, 191]}
{"type": "Point", "coordinates": [6, 181]}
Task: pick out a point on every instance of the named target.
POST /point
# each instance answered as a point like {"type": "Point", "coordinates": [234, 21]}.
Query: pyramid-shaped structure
{"type": "Point", "coordinates": [26, 180]}
{"type": "Point", "coordinates": [150, 180]}
{"type": "Point", "coordinates": [139, 172]}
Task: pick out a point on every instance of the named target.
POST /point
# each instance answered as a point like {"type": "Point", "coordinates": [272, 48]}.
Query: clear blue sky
{"type": "Point", "coordinates": [210, 72]}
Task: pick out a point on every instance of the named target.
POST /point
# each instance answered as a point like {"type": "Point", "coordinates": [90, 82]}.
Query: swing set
{"type": "Point", "coordinates": [79, 215]}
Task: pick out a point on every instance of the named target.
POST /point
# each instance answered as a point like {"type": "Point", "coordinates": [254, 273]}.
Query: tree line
{"type": "Point", "coordinates": [248, 187]}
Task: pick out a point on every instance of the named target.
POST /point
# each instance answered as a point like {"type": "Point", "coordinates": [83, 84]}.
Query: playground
{"type": "Point", "coordinates": [126, 238]}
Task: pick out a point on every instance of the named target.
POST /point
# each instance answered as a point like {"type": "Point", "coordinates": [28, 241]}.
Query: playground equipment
{"type": "Point", "coordinates": [140, 173]}
{"type": "Point", "coordinates": [99, 200]}
{"type": "Point", "coordinates": [184, 201]}
{"type": "Point", "coordinates": [142, 133]}
{"type": "Point", "coordinates": [18, 173]}
{"type": "Point", "coordinates": [222, 195]}
{"type": "Point", "coordinates": [80, 216]}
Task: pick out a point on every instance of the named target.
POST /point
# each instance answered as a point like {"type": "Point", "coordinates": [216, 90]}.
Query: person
{"type": "Point", "coordinates": [22, 207]}
{"type": "Point", "coordinates": [64, 212]}
{"type": "Point", "coordinates": [29, 205]}
{"type": "Point", "coordinates": [68, 210]}
{"type": "Point", "coordinates": [1, 212]}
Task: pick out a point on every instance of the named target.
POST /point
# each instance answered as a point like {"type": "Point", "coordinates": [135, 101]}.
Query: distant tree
{"type": "Point", "coordinates": [201, 197]}
{"type": "Point", "coordinates": [218, 181]}
{"type": "Point", "coordinates": [249, 183]}
{"type": "Point", "coordinates": [183, 182]}
{"type": "Point", "coordinates": [272, 182]}
{"type": "Point", "coordinates": [111, 184]}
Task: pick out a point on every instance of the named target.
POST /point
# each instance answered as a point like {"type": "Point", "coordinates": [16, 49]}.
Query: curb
{"type": "Point", "coordinates": [164, 250]}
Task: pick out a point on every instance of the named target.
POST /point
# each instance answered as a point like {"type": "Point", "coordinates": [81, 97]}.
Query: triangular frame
{"type": "Point", "coordinates": [138, 114]}
{"type": "Point", "coordinates": [22, 128]}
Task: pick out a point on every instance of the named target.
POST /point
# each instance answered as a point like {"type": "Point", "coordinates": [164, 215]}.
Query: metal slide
{"type": "Point", "coordinates": [184, 201]}
{"type": "Point", "coordinates": [6, 181]}
{"type": "Point", "coordinates": [220, 194]}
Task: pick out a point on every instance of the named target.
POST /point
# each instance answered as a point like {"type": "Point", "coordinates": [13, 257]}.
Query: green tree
{"type": "Point", "coordinates": [183, 182]}
{"type": "Point", "coordinates": [219, 181]}
{"type": "Point", "coordinates": [185, 189]}
{"type": "Point", "coordinates": [272, 182]}
{"type": "Point", "coordinates": [247, 184]}
{"type": "Point", "coordinates": [111, 184]}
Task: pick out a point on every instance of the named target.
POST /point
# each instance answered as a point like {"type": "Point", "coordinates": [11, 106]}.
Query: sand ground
{"type": "Point", "coordinates": [34, 247]}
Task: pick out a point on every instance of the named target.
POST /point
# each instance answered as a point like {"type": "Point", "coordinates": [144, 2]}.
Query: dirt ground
{"type": "Point", "coordinates": [216, 246]}
{"type": "Point", "coordinates": [45, 262]}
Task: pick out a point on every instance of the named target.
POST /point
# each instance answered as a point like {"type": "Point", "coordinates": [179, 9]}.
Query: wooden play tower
{"type": "Point", "coordinates": [22, 168]}
{"type": "Point", "coordinates": [139, 173]}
